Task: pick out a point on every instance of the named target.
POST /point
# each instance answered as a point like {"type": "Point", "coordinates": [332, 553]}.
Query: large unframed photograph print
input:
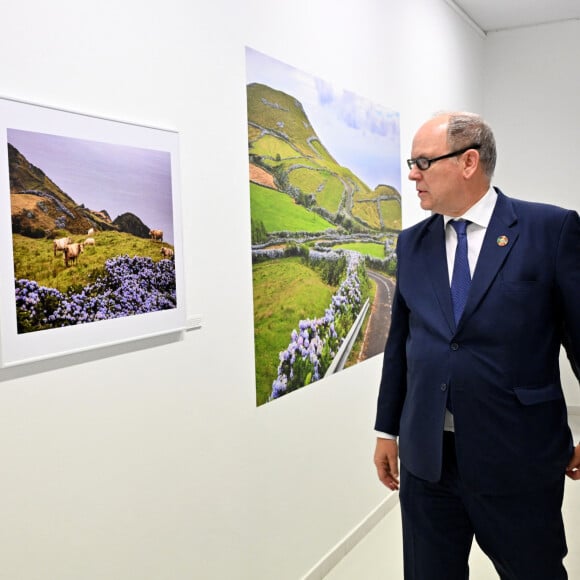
{"type": "Point", "coordinates": [325, 181]}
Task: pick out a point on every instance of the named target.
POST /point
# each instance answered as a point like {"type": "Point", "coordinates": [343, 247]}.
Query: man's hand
{"type": "Point", "coordinates": [387, 462]}
{"type": "Point", "coordinates": [573, 469]}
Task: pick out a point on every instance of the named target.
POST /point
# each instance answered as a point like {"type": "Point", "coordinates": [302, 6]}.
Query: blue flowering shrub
{"type": "Point", "coordinates": [316, 342]}
{"type": "Point", "coordinates": [127, 286]}
{"type": "Point", "coordinates": [330, 265]}
{"type": "Point", "coordinates": [288, 251]}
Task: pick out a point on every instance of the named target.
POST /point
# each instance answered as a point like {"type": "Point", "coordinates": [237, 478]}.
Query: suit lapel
{"type": "Point", "coordinates": [500, 237]}
{"type": "Point", "coordinates": [436, 264]}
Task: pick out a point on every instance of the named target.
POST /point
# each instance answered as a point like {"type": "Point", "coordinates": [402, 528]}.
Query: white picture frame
{"type": "Point", "coordinates": [152, 155]}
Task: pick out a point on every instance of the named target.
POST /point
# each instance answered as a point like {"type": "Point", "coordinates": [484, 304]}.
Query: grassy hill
{"type": "Point", "coordinates": [279, 212]}
{"type": "Point", "coordinates": [39, 204]}
{"type": "Point", "coordinates": [283, 117]}
{"type": "Point", "coordinates": [283, 143]}
{"type": "Point", "coordinates": [40, 208]}
{"type": "Point", "coordinates": [34, 258]}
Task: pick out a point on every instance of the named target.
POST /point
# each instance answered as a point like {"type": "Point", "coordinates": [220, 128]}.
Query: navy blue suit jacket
{"type": "Point", "coordinates": [501, 360]}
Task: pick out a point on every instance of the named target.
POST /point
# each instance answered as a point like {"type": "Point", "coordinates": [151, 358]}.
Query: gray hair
{"type": "Point", "coordinates": [465, 129]}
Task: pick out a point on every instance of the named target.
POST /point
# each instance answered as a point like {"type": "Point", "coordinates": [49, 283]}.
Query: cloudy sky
{"type": "Point", "coordinates": [116, 178]}
{"type": "Point", "coordinates": [360, 135]}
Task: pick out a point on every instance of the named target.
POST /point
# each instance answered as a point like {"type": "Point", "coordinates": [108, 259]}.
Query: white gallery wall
{"type": "Point", "coordinates": [532, 91]}
{"type": "Point", "coordinates": [151, 460]}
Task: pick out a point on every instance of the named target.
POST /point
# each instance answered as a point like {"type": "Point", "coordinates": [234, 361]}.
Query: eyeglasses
{"type": "Point", "coordinates": [423, 163]}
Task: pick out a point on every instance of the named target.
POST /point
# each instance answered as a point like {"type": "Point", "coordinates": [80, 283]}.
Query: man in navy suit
{"type": "Point", "coordinates": [470, 401]}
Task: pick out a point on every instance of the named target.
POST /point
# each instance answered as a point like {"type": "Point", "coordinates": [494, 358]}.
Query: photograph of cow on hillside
{"type": "Point", "coordinates": [87, 220]}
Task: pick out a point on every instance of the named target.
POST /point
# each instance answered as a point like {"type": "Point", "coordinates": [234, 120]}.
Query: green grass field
{"type": "Point", "coordinates": [285, 292]}
{"type": "Point", "coordinates": [391, 212]}
{"type": "Point", "coordinates": [331, 195]}
{"type": "Point", "coordinates": [279, 212]}
{"type": "Point", "coordinates": [34, 258]}
{"type": "Point", "coordinates": [273, 147]}
{"type": "Point", "coordinates": [368, 213]}
{"type": "Point", "coordinates": [365, 248]}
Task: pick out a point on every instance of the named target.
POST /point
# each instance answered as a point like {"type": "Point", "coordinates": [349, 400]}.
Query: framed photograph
{"type": "Point", "coordinates": [91, 239]}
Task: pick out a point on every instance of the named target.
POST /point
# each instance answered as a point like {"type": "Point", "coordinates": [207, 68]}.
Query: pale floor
{"type": "Point", "coordinates": [379, 555]}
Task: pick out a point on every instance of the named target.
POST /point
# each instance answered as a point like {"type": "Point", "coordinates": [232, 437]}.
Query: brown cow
{"type": "Point", "coordinates": [167, 252]}
{"type": "Point", "coordinates": [72, 252]}
{"type": "Point", "coordinates": [156, 235]}
{"type": "Point", "coordinates": [59, 244]}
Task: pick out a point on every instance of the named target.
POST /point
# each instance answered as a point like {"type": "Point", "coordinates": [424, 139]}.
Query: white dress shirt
{"type": "Point", "coordinates": [479, 215]}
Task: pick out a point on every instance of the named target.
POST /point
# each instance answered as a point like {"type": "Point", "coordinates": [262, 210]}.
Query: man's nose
{"type": "Point", "coordinates": [415, 173]}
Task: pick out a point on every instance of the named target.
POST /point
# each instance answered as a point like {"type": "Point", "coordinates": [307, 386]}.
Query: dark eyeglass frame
{"type": "Point", "coordinates": [423, 163]}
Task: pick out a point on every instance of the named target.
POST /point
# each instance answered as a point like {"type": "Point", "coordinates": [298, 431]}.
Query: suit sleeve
{"type": "Point", "coordinates": [569, 285]}
{"type": "Point", "coordinates": [393, 387]}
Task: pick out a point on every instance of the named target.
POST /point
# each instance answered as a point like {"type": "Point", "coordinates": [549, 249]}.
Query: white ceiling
{"type": "Point", "coordinates": [491, 15]}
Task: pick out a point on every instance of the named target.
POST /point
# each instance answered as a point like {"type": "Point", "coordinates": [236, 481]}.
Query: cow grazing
{"type": "Point", "coordinates": [59, 244]}
{"type": "Point", "coordinates": [72, 252]}
{"type": "Point", "coordinates": [156, 235]}
{"type": "Point", "coordinates": [89, 242]}
{"type": "Point", "coordinates": [167, 252]}
{"type": "Point", "coordinates": [91, 232]}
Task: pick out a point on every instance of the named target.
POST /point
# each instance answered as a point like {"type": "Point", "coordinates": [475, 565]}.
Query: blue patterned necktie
{"type": "Point", "coordinates": [461, 278]}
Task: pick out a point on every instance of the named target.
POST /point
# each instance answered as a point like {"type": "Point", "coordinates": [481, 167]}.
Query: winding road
{"type": "Point", "coordinates": [380, 318]}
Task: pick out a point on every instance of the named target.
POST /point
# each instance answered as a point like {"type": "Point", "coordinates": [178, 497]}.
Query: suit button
{"type": "Point", "coordinates": [443, 387]}
{"type": "Point", "coordinates": [454, 346]}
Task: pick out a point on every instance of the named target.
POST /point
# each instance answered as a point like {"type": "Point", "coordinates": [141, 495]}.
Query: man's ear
{"type": "Point", "coordinates": [470, 163]}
